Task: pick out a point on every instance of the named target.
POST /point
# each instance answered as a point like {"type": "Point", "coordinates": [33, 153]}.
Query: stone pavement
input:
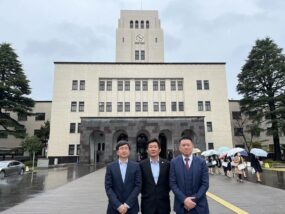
{"type": "Point", "coordinates": [86, 195]}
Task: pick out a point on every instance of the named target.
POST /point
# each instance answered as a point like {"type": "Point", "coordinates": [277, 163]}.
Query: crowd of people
{"type": "Point", "coordinates": [237, 166]}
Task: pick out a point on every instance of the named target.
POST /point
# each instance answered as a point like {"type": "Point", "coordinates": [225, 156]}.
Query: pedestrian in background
{"type": "Point", "coordinates": [255, 164]}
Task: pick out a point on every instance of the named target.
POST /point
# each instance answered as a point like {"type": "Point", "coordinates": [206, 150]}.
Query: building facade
{"type": "Point", "coordinates": [138, 97]}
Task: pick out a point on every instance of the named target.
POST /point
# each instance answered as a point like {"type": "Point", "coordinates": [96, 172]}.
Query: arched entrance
{"type": "Point", "coordinates": [118, 135]}
{"type": "Point", "coordinates": [97, 146]}
{"type": "Point", "coordinates": [165, 140]}
{"type": "Point", "coordinates": [141, 139]}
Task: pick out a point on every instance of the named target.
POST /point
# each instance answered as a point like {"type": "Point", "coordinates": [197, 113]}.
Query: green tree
{"type": "Point", "coordinates": [14, 87]}
{"type": "Point", "coordinates": [43, 133]}
{"type": "Point", "coordinates": [33, 145]}
{"type": "Point", "coordinates": [262, 84]}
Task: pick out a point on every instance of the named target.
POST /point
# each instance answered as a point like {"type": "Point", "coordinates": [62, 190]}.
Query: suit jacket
{"type": "Point", "coordinates": [155, 197]}
{"type": "Point", "coordinates": [120, 192]}
{"type": "Point", "coordinates": [196, 179]}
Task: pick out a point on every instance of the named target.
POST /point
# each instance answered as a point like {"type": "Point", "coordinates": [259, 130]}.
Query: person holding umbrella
{"type": "Point", "coordinates": [255, 164]}
{"type": "Point", "coordinates": [238, 160]}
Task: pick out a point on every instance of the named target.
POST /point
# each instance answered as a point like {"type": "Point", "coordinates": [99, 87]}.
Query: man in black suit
{"type": "Point", "coordinates": [155, 181]}
{"type": "Point", "coordinates": [123, 182]}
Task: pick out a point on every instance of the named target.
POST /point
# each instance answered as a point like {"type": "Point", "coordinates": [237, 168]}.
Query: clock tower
{"type": "Point", "coordinates": [139, 37]}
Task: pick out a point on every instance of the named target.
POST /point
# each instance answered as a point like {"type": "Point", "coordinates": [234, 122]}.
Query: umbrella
{"type": "Point", "coordinates": [258, 152]}
{"type": "Point", "coordinates": [209, 152]}
{"type": "Point", "coordinates": [243, 153]}
{"type": "Point", "coordinates": [233, 151]}
{"type": "Point", "coordinates": [196, 150]}
{"type": "Point", "coordinates": [222, 149]}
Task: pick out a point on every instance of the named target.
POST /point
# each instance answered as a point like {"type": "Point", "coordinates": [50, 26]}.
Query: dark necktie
{"type": "Point", "coordinates": [187, 163]}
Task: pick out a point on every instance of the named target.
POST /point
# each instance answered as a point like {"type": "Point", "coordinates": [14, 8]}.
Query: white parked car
{"type": "Point", "coordinates": [11, 167]}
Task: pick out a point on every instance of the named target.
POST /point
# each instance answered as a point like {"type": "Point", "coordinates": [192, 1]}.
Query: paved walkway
{"type": "Point", "coordinates": [86, 195]}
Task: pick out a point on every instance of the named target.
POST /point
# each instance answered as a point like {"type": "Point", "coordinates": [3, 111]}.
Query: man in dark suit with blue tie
{"type": "Point", "coordinates": [123, 182]}
{"type": "Point", "coordinates": [155, 181]}
{"type": "Point", "coordinates": [189, 180]}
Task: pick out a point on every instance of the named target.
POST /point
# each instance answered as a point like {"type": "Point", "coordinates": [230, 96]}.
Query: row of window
{"type": "Point", "coordinates": [140, 106]}
{"type": "Point", "coordinates": [74, 106]}
{"type": "Point", "coordinates": [72, 127]}
{"type": "Point", "coordinates": [139, 56]}
{"type": "Point", "coordinates": [23, 117]}
{"type": "Point", "coordinates": [200, 85]}
{"type": "Point", "coordinates": [124, 85]}
{"type": "Point", "coordinates": [207, 106]}
{"type": "Point", "coordinates": [71, 149]}
{"type": "Point", "coordinates": [81, 85]}
{"type": "Point", "coordinates": [137, 24]}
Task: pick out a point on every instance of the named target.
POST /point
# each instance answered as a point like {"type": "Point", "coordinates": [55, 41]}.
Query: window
{"type": "Point", "coordinates": [210, 145]}
{"type": "Point", "coordinates": [206, 85]}
{"type": "Point", "coordinates": [181, 106]}
{"type": "Point", "coordinates": [103, 146]}
{"type": "Point", "coordinates": [199, 84]}
{"type": "Point", "coordinates": [137, 55]}
{"type": "Point", "coordinates": [155, 85]}
{"type": "Point", "coordinates": [180, 85]}
{"type": "Point", "coordinates": [101, 106]}
{"type": "Point", "coordinates": [120, 107]}
{"type": "Point", "coordinates": [123, 39]}
{"type": "Point", "coordinates": [162, 106]}
{"type": "Point", "coordinates": [155, 106]}
{"type": "Point", "coordinates": [127, 106]}
{"type": "Point", "coordinates": [73, 106]}
{"type": "Point", "coordinates": [142, 24]}
{"type": "Point", "coordinates": [71, 150]}
{"type": "Point", "coordinates": [108, 107]}
{"type": "Point", "coordinates": [145, 106]}
{"type": "Point", "coordinates": [155, 39]}
{"type": "Point", "coordinates": [102, 85]}
{"type": "Point", "coordinates": [40, 116]}
{"type": "Point", "coordinates": [22, 117]}
{"type": "Point", "coordinates": [109, 85]}
{"type": "Point", "coordinates": [36, 132]}
{"type": "Point", "coordinates": [82, 85]}
{"type": "Point", "coordinates": [138, 85]}
{"type": "Point", "coordinates": [236, 115]}
{"type": "Point", "coordinates": [145, 85]}
{"type": "Point", "coordinates": [209, 127]}
{"type": "Point", "coordinates": [200, 106]}
{"type": "Point", "coordinates": [3, 135]}
{"type": "Point", "coordinates": [72, 128]}
{"type": "Point", "coordinates": [137, 24]}
{"type": "Point", "coordinates": [127, 85]}
{"type": "Point", "coordinates": [173, 106]}
{"type": "Point", "coordinates": [81, 106]}
{"type": "Point", "coordinates": [77, 149]}
{"type": "Point", "coordinates": [173, 85]}
{"type": "Point", "coordinates": [79, 127]}
{"type": "Point", "coordinates": [147, 24]}
{"type": "Point", "coordinates": [74, 84]}
{"type": "Point", "coordinates": [208, 105]}
{"type": "Point", "coordinates": [238, 131]}
{"type": "Point", "coordinates": [138, 106]}
{"type": "Point", "coordinates": [142, 55]}
{"type": "Point", "coordinates": [162, 85]}
{"type": "Point", "coordinates": [120, 85]}
{"type": "Point", "coordinates": [131, 24]}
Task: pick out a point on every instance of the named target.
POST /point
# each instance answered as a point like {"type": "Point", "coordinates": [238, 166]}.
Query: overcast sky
{"type": "Point", "coordinates": [44, 31]}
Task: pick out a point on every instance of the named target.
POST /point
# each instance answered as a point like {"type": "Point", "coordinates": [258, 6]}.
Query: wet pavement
{"type": "Point", "coordinates": [16, 189]}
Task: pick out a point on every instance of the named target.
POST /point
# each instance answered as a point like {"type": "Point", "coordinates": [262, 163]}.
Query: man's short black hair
{"type": "Point", "coordinates": [185, 138]}
{"type": "Point", "coordinates": [122, 143]}
{"type": "Point", "coordinates": [153, 140]}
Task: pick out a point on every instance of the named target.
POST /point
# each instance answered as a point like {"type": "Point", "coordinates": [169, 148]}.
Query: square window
{"type": "Point", "coordinates": [74, 84]}
{"type": "Point", "coordinates": [73, 106]}
{"type": "Point", "coordinates": [40, 116]}
{"type": "Point", "coordinates": [236, 115]}
{"type": "Point", "coordinates": [22, 117]}
{"type": "Point", "coordinates": [155, 106]}
{"type": "Point", "coordinates": [36, 132]}
{"type": "Point", "coordinates": [163, 106]}
{"type": "Point", "coordinates": [199, 84]}
{"type": "Point", "coordinates": [209, 127]}
{"type": "Point", "coordinates": [210, 145]}
{"type": "Point", "coordinates": [82, 85]}
{"type": "Point", "coordinates": [173, 106]}
{"type": "Point", "coordinates": [72, 128]}
{"type": "Point", "coordinates": [81, 106]}
{"type": "Point", "coordinates": [238, 131]}
{"type": "Point", "coordinates": [71, 150]}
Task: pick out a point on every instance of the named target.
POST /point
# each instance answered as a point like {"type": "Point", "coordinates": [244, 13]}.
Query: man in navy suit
{"type": "Point", "coordinates": [189, 180]}
{"type": "Point", "coordinates": [123, 182]}
{"type": "Point", "coordinates": [155, 181]}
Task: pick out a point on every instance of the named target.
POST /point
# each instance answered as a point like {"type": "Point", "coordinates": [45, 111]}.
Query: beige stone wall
{"type": "Point", "coordinates": [63, 95]}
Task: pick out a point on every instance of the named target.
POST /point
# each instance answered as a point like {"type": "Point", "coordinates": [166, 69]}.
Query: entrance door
{"type": "Point", "coordinates": [163, 143]}
{"type": "Point", "coordinates": [141, 146]}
